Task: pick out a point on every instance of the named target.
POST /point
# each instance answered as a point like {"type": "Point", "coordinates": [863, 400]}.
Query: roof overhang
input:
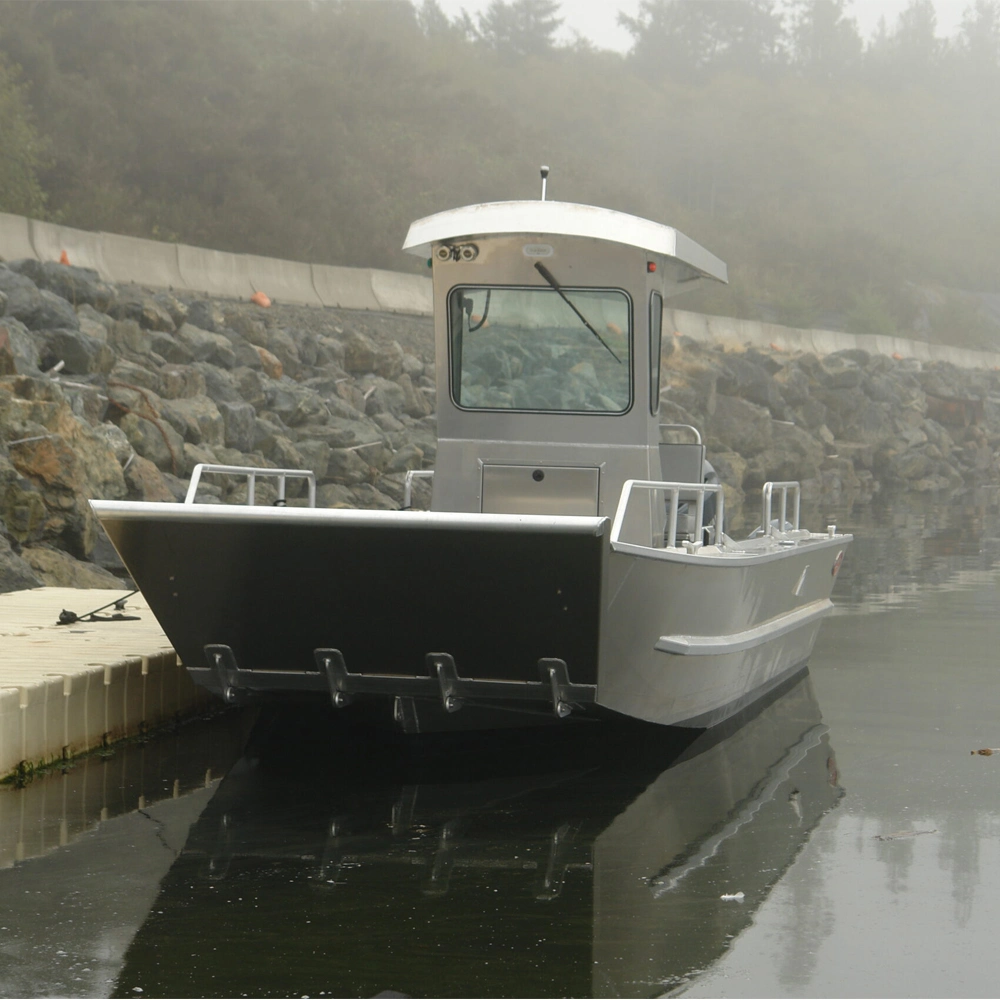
{"type": "Point", "coordinates": [560, 218]}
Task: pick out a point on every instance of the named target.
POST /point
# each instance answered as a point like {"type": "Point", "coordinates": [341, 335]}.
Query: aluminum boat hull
{"type": "Point", "coordinates": [468, 620]}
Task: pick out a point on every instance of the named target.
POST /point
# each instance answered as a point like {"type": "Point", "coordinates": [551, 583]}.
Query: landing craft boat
{"type": "Point", "coordinates": [573, 562]}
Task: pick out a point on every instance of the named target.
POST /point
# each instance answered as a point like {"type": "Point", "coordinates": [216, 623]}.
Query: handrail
{"type": "Point", "coordinates": [766, 527]}
{"type": "Point", "coordinates": [408, 484]}
{"type": "Point", "coordinates": [681, 427]}
{"type": "Point", "coordinates": [693, 490]}
{"type": "Point", "coordinates": [252, 472]}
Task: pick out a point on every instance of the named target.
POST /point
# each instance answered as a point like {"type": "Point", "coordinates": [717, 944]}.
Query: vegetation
{"type": "Point", "coordinates": [846, 184]}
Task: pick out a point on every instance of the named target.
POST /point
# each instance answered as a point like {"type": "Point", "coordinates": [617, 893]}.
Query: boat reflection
{"type": "Point", "coordinates": [511, 866]}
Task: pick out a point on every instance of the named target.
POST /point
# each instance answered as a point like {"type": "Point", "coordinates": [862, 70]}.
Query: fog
{"type": "Point", "coordinates": [846, 173]}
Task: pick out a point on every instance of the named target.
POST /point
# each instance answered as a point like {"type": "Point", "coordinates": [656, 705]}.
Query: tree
{"type": "Point", "coordinates": [686, 40]}
{"type": "Point", "coordinates": [22, 152]}
{"type": "Point", "coordinates": [521, 27]}
{"type": "Point", "coordinates": [825, 42]}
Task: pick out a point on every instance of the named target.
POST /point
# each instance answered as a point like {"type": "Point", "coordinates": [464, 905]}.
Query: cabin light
{"type": "Point", "coordinates": [443, 253]}
{"type": "Point", "coordinates": [650, 266]}
{"type": "Point", "coordinates": [468, 252]}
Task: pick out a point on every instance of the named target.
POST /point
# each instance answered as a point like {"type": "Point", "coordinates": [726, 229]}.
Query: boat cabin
{"type": "Point", "coordinates": [548, 325]}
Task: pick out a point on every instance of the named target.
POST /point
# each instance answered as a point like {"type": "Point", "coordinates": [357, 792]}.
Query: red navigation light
{"type": "Point", "coordinates": [650, 266]}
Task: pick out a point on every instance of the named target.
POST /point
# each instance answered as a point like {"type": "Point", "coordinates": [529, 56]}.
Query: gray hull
{"type": "Point", "coordinates": [470, 621]}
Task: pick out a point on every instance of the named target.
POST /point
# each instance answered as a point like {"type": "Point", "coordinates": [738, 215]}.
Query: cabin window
{"type": "Point", "coordinates": [533, 349]}
{"type": "Point", "coordinates": [655, 336]}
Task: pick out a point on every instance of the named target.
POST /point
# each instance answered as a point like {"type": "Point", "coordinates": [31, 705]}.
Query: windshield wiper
{"type": "Point", "coordinates": [547, 275]}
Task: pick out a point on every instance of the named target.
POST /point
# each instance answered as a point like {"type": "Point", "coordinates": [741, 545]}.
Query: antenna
{"type": "Point", "coordinates": [545, 177]}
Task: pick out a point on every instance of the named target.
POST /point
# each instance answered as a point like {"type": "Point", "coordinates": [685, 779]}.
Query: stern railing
{"type": "Point", "coordinates": [252, 473]}
{"type": "Point", "coordinates": [675, 492]}
{"type": "Point", "coordinates": [767, 528]}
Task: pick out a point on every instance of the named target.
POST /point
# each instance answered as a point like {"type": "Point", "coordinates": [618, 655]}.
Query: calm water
{"type": "Point", "coordinates": [847, 816]}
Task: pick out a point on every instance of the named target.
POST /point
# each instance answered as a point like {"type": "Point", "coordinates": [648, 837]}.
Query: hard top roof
{"type": "Point", "coordinates": [560, 218]}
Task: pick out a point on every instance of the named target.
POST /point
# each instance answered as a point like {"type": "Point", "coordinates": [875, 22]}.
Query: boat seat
{"type": "Point", "coordinates": [682, 463]}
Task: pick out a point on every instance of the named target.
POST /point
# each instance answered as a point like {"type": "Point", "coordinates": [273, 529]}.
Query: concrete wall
{"type": "Point", "coordinates": [229, 275]}
{"type": "Point", "coordinates": [121, 259]}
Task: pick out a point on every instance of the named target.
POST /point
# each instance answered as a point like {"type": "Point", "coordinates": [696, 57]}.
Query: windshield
{"type": "Point", "coordinates": [562, 349]}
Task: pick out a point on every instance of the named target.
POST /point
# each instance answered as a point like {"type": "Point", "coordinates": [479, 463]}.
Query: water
{"type": "Point", "coordinates": [849, 812]}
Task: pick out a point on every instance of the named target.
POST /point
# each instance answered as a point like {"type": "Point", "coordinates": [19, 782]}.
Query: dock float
{"type": "Point", "coordinates": [67, 689]}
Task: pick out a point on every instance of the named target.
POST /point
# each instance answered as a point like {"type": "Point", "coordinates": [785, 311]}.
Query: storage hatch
{"type": "Point", "coordinates": [540, 489]}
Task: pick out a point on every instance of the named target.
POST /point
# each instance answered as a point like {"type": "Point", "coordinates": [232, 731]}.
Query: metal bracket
{"type": "Point", "coordinates": [222, 662]}
{"type": "Point", "coordinates": [332, 662]}
{"type": "Point", "coordinates": [555, 673]}
{"type": "Point", "coordinates": [442, 666]}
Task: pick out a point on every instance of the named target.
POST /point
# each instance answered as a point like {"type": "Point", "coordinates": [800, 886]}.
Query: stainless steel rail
{"type": "Point", "coordinates": [251, 472]}
{"type": "Point", "coordinates": [408, 484]}
{"type": "Point", "coordinates": [766, 492]}
{"type": "Point", "coordinates": [674, 491]}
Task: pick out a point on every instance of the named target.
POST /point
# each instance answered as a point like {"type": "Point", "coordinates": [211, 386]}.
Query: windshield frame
{"type": "Point", "coordinates": [454, 355]}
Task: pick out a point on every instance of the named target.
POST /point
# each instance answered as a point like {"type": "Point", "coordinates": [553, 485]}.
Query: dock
{"type": "Point", "coordinates": [67, 689]}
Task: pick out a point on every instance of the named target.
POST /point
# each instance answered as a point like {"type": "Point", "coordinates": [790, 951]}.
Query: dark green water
{"type": "Point", "coordinates": [848, 811]}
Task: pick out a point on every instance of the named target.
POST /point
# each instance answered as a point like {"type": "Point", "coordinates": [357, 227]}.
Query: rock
{"type": "Point", "coordinates": [22, 345]}
{"type": "Point", "coordinates": [196, 455]}
{"type": "Point", "coordinates": [181, 382]}
{"type": "Point", "coordinates": [389, 361]}
{"type": "Point", "coordinates": [146, 482]}
{"type": "Point", "coordinates": [315, 456]}
{"type": "Point", "coordinates": [206, 346]}
{"type": "Point", "coordinates": [15, 573]}
{"type": "Point", "coordinates": [59, 569]}
{"type": "Point", "coordinates": [239, 422]}
{"type": "Point", "coordinates": [55, 312]}
{"type": "Point", "coordinates": [170, 348]}
{"type": "Point", "coordinates": [155, 440]}
{"type": "Point", "coordinates": [219, 384]}
{"type": "Point", "coordinates": [197, 419]}
{"type": "Point", "coordinates": [177, 310]}
{"type": "Point", "coordinates": [348, 467]}
{"type": "Point", "coordinates": [146, 311]}
{"type": "Point", "coordinates": [360, 353]}
{"type": "Point", "coordinates": [334, 495]}
{"type": "Point", "coordinates": [127, 336]}
{"type": "Point", "coordinates": [206, 315]}
{"type": "Point", "coordinates": [80, 353]}
{"type": "Point", "coordinates": [271, 366]}
{"type": "Point", "coordinates": [297, 404]}
{"type": "Point", "coordinates": [282, 452]}
{"type": "Point", "coordinates": [383, 396]}
{"type": "Point", "coordinates": [406, 458]}
{"type": "Point", "coordinates": [254, 389]}
{"type": "Point", "coordinates": [77, 285]}
{"type": "Point", "coordinates": [368, 498]}
{"type": "Point", "coordinates": [739, 426]}
{"type": "Point", "coordinates": [23, 298]}
{"type": "Point", "coordinates": [282, 346]}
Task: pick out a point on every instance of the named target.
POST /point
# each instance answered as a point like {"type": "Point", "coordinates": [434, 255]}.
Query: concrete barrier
{"type": "Point", "coordinates": [344, 287]}
{"type": "Point", "coordinates": [142, 261]}
{"type": "Point", "coordinates": [15, 239]}
{"type": "Point", "coordinates": [283, 280]}
{"type": "Point", "coordinates": [83, 248]}
{"type": "Point", "coordinates": [214, 272]}
{"type": "Point", "coordinates": [404, 293]}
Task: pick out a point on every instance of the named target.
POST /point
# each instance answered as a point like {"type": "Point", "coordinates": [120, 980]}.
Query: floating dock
{"type": "Point", "coordinates": [67, 689]}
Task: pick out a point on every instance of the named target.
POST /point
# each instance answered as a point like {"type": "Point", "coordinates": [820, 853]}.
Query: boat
{"type": "Point", "coordinates": [574, 562]}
